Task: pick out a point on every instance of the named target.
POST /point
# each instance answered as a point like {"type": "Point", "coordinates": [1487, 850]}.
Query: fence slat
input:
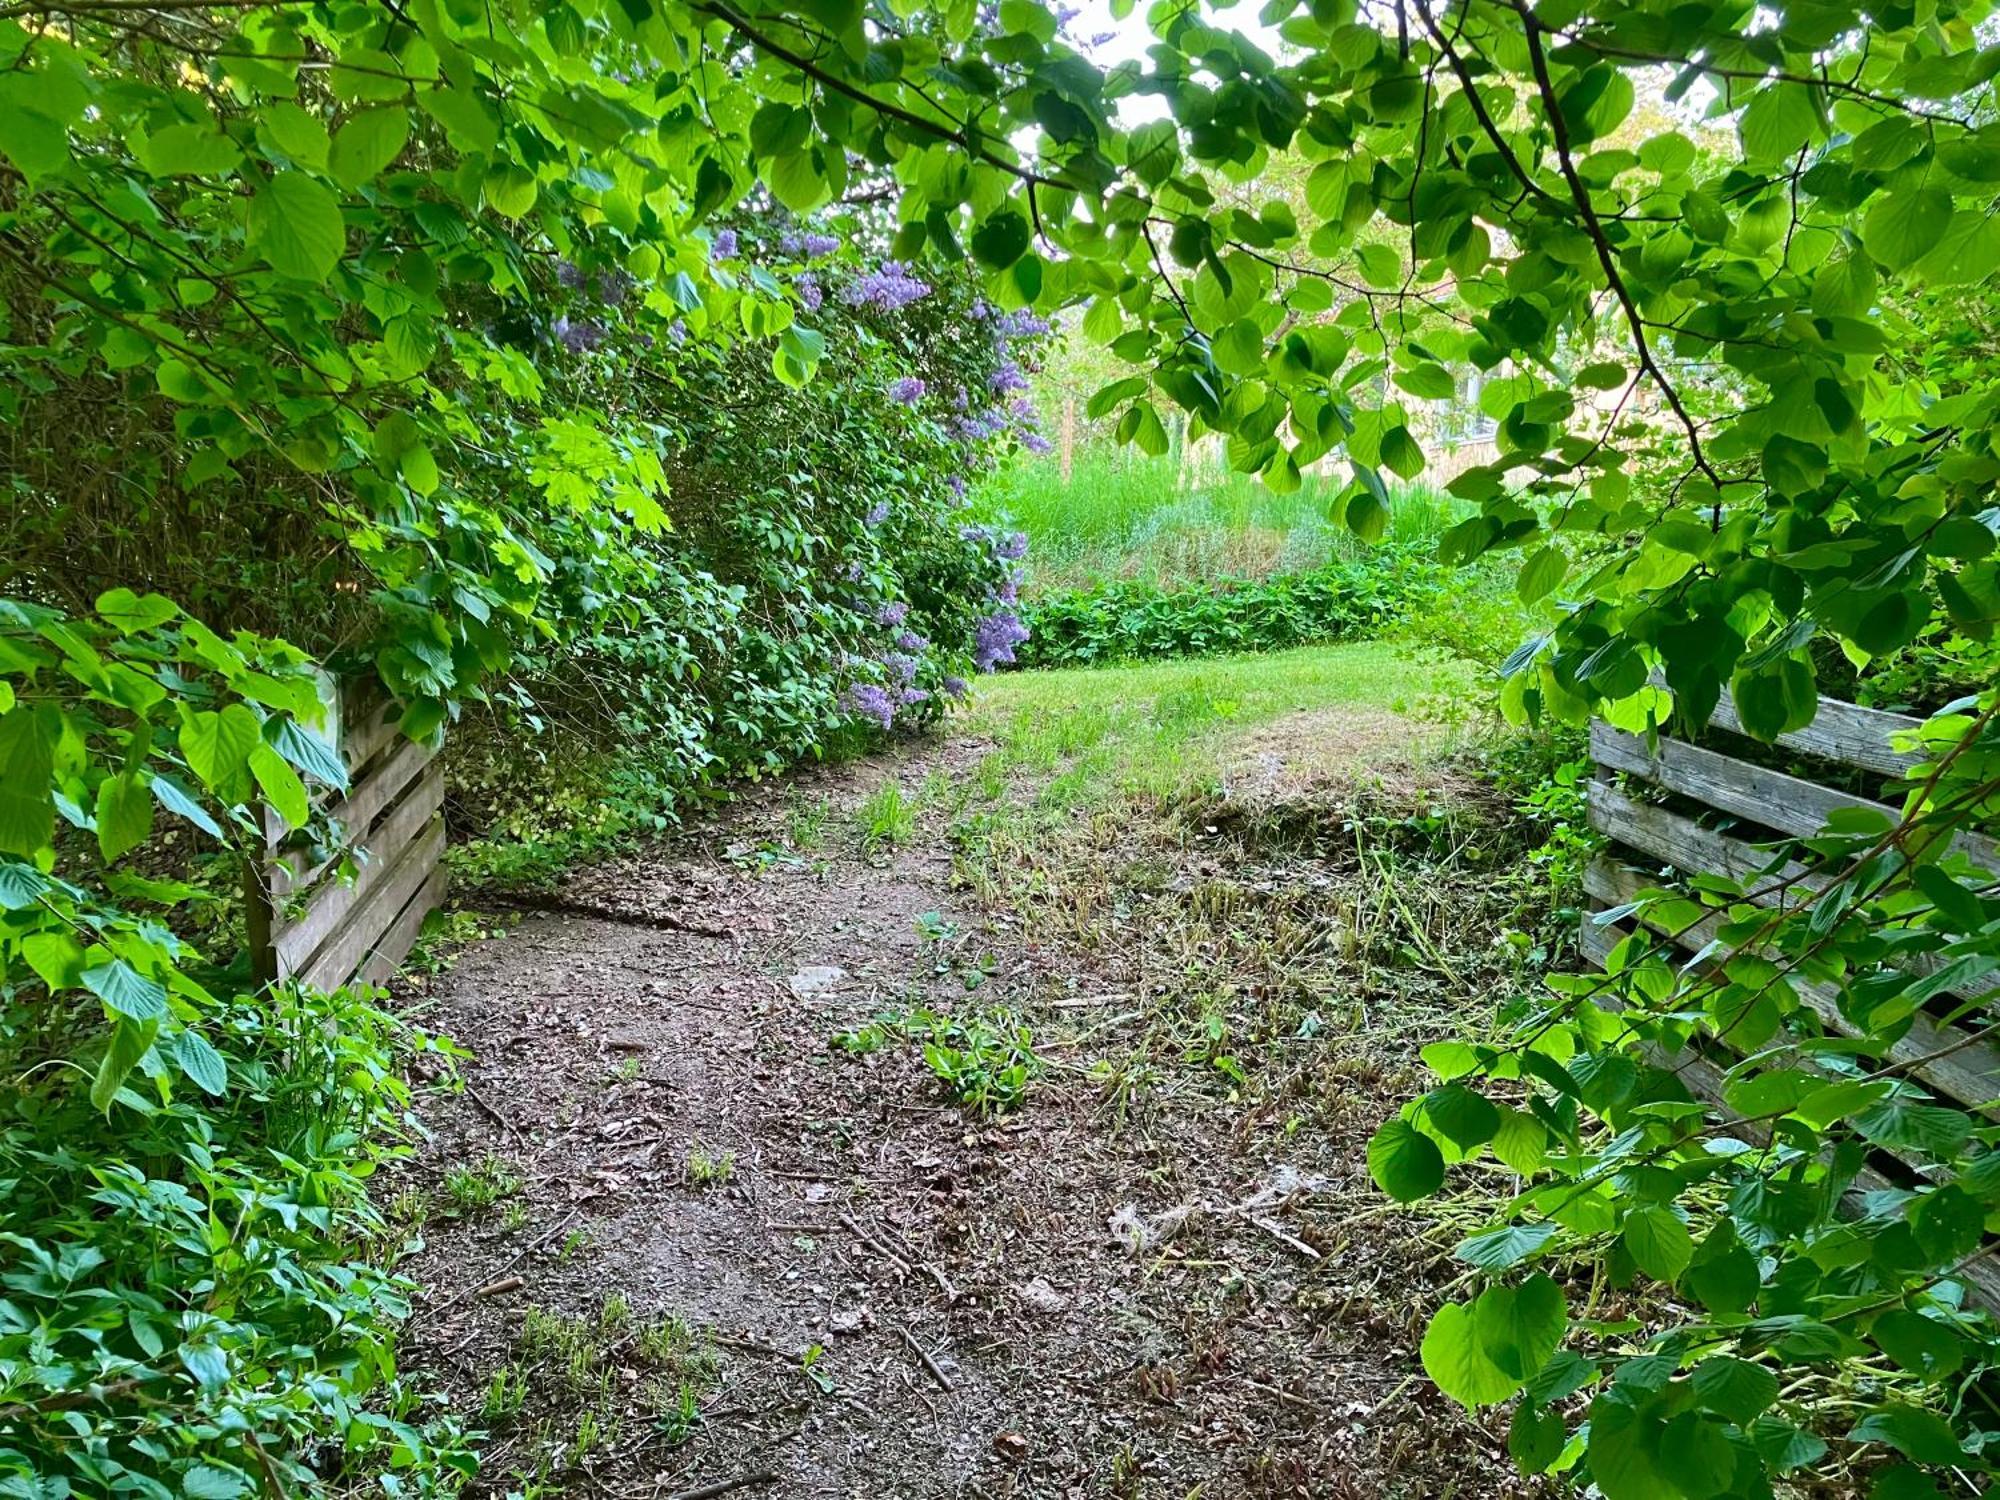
{"type": "Point", "coordinates": [363, 932]}
{"type": "Point", "coordinates": [1683, 843]}
{"type": "Point", "coordinates": [356, 813]}
{"type": "Point", "coordinates": [390, 949]}
{"type": "Point", "coordinates": [329, 906]}
{"type": "Point", "coordinates": [1790, 804]}
{"type": "Point", "coordinates": [1959, 1067]}
{"type": "Point", "coordinates": [1845, 732]}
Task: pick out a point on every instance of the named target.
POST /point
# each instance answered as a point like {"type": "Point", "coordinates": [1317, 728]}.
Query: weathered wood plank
{"type": "Point", "coordinates": [1687, 846]}
{"type": "Point", "coordinates": [356, 813]}
{"type": "Point", "coordinates": [298, 938]}
{"type": "Point", "coordinates": [368, 722]}
{"type": "Point", "coordinates": [1963, 1070]}
{"type": "Point", "coordinates": [357, 937]}
{"type": "Point", "coordinates": [381, 962]}
{"type": "Point", "coordinates": [1789, 804]}
{"type": "Point", "coordinates": [1844, 732]}
{"type": "Point", "coordinates": [1704, 1079]}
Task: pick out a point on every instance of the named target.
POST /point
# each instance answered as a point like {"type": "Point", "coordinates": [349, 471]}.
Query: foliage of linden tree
{"type": "Point", "coordinates": [1704, 256]}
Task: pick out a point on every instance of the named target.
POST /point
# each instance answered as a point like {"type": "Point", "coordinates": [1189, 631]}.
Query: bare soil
{"type": "Point", "coordinates": [1163, 1275]}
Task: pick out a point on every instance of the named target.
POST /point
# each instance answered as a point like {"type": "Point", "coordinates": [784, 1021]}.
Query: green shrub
{"type": "Point", "coordinates": [1134, 620]}
{"type": "Point", "coordinates": [192, 1303]}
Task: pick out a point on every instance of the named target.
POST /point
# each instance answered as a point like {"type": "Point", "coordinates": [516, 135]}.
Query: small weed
{"type": "Point", "coordinates": [934, 928]}
{"type": "Point", "coordinates": [885, 818]}
{"type": "Point", "coordinates": [614, 1315]}
{"type": "Point", "coordinates": [568, 1345]}
{"type": "Point", "coordinates": [704, 1168]}
{"type": "Point", "coordinates": [482, 1184]}
{"type": "Point", "coordinates": [505, 1393]}
{"type": "Point", "coordinates": [677, 1410]}
{"type": "Point", "coordinates": [411, 1206]}
{"type": "Point", "coordinates": [514, 1216]}
{"type": "Point", "coordinates": [984, 1064]}
{"type": "Point", "coordinates": [626, 1070]}
{"type": "Point", "coordinates": [673, 1349]}
{"type": "Point", "coordinates": [805, 824]}
{"type": "Point", "coordinates": [809, 1366]}
{"type": "Point", "coordinates": [574, 1243]}
{"type": "Point", "coordinates": [594, 1428]}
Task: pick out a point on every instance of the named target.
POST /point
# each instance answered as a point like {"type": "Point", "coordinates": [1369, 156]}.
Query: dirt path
{"type": "Point", "coordinates": [735, 1249]}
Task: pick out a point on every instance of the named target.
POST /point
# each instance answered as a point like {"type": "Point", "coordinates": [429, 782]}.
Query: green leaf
{"type": "Point", "coordinates": [130, 1041]}
{"type": "Point", "coordinates": [217, 747]}
{"type": "Point", "coordinates": [511, 190]}
{"type": "Point", "coordinates": [1919, 1435]}
{"type": "Point", "coordinates": [129, 613]}
{"type": "Point", "coordinates": [126, 990]}
{"type": "Point", "coordinates": [1775, 699]}
{"type": "Point", "coordinates": [1502, 1249]}
{"type": "Point", "coordinates": [1002, 239]}
{"type": "Point", "coordinates": [1658, 1242]}
{"type": "Point", "coordinates": [201, 1062]}
{"type": "Point", "coordinates": [27, 760]}
{"type": "Point", "coordinates": [32, 141]}
{"type": "Point", "coordinates": [188, 151]}
{"type": "Point", "coordinates": [467, 122]}
{"type": "Point", "coordinates": [1778, 122]}
{"type": "Point", "coordinates": [295, 223]}
{"type": "Point", "coordinates": [1454, 1360]}
{"type": "Point", "coordinates": [1535, 1437]}
{"type": "Point", "coordinates": [124, 814]}
{"type": "Point", "coordinates": [1520, 1327]}
{"type": "Point", "coordinates": [1468, 1119]}
{"type": "Point", "coordinates": [1404, 1162]}
{"type": "Point", "coordinates": [298, 135]}
{"type": "Point", "coordinates": [56, 958]}
{"type": "Point", "coordinates": [1903, 226]}
{"type": "Point", "coordinates": [368, 143]}
{"type": "Point", "coordinates": [281, 784]}
{"type": "Point", "coordinates": [1734, 1388]}
{"type": "Point", "coordinates": [1400, 453]}
{"type": "Point", "coordinates": [1541, 574]}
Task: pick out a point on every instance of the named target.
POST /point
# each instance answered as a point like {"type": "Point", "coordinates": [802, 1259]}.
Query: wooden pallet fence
{"type": "Point", "coordinates": [1658, 845]}
{"type": "Point", "coordinates": [310, 925]}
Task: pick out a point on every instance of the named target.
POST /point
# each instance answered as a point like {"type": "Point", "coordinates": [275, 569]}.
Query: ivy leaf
{"type": "Point", "coordinates": [295, 222]}
{"type": "Point", "coordinates": [1405, 1163]}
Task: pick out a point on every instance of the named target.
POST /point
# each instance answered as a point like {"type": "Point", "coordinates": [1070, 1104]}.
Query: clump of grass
{"type": "Point", "coordinates": [705, 1168]}
{"type": "Point", "coordinates": [886, 817]}
{"type": "Point", "coordinates": [481, 1184]}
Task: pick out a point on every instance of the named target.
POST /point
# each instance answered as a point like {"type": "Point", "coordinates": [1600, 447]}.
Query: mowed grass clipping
{"type": "Point", "coordinates": [1156, 725]}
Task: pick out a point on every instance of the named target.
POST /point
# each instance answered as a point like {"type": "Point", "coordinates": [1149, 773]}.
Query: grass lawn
{"type": "Point", "coordinates": [1155, 726]}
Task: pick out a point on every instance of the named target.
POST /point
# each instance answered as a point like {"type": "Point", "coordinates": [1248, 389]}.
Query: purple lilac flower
{"type": "Point", "coordinates": [1009, 591]}
{"type": "Point", "coordinates": [877, 514]}
{"type": "Point", "coordinates": [578, 337]}
{"type": "Point", "coordinates": [614, 286]}
{"type": "Point", "coordinates": [954, 687]}
{"type": "Point", "coordinates": [914, 695]}
{"type": "Point", "coordinates": [892, 614]}
{"type": "Point", "coordinates": [806, 289]}
{"type": "Point", "coordinates": [807, 244]}
{"type": "Point", "coordinates": [569, 274]}
{"type": "Point", "coordinates": [886, 290]}
{"type": "Point", "coordinates": [995, 639]}
{"type": "Point", "coordinates": [678, 330]}
{"type": "Point", "coordinates": [866, 700]}
{"type": "Point", "coordinates": [1023, 322]}
{"type": "Point", "coordinates": [909, 390]}
{"type": "Point", "coordinates": [909, 640]}
{"type": "Point", "coordinates": [1008, 378]}
{"type": "Point", "coordinates": [723, 246]}
{"type": "Point", "coordinates": [1034, 442]}
{"type": "Point", "coordinates": [978, 429]}
{"type": "Point", "coordinates": [956, 484]}
{"type": "Point", "coordinates": [1011, 546]}
{"type": "Point", "coordinates": [903, 666]}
